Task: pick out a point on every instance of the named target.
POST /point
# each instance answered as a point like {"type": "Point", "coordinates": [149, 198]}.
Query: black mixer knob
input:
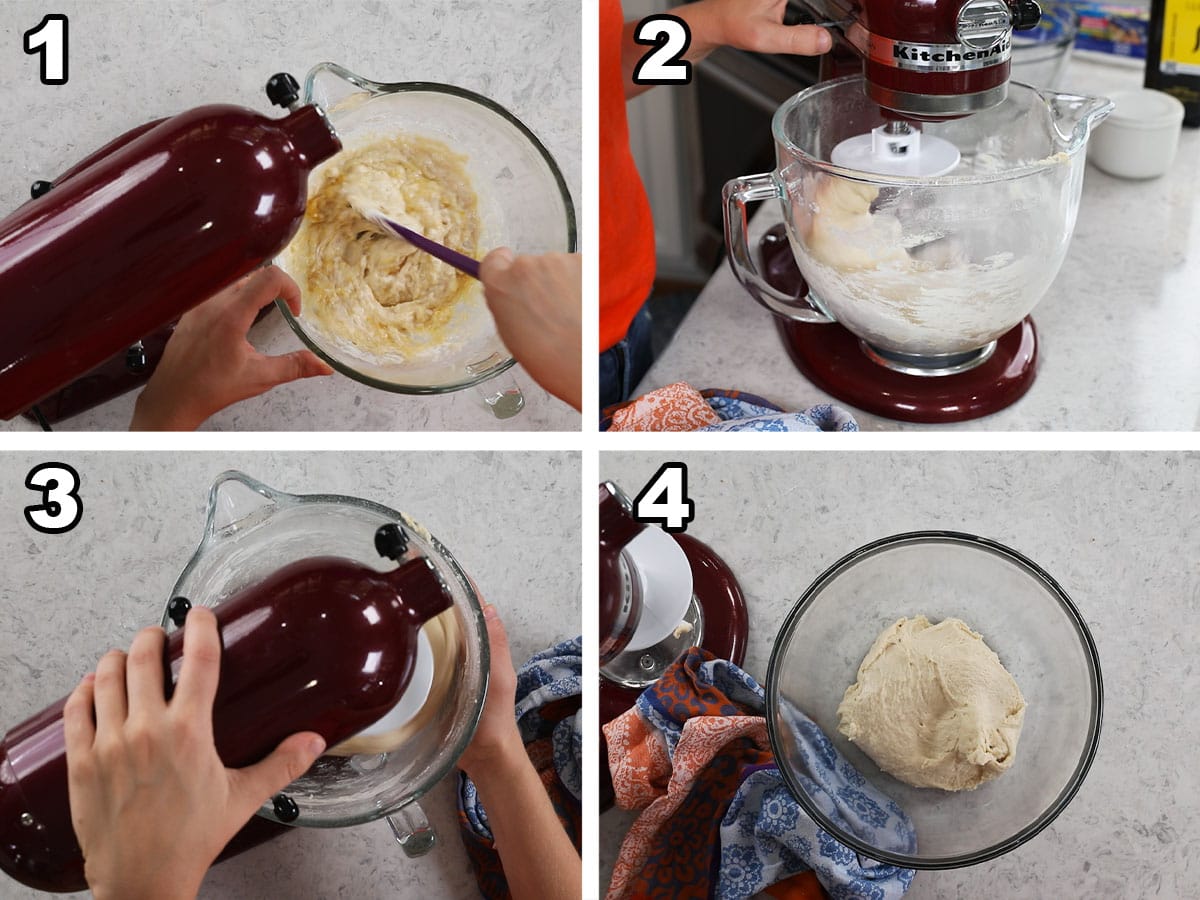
{"type": "Point", "coordinates": [391, 541]}
{"type": "Point", "coordinates": [283, 90]}
{"type": "Point", "coordinates": [40, 187]}
{"type": "Point", "coordinates": [1025, 14]}
{"type": "Point", "coordinates": [135, 358]}
{"type": "Point", "coordinates": [177, 610]}
{"type": "Point", "coordinates": [286, 809]}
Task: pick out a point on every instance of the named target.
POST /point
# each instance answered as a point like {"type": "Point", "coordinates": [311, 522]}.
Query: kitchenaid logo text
{"type": "Point", "coordinates": [937, 57]}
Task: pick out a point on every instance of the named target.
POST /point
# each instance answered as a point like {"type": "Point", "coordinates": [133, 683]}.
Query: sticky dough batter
{"type": "Point", "coordinates": [443, 634]}
{"type": "Point", "coordinates": [934, 707]}
{"type": "Point", "coordinates": [925, 281]}
{"type": "Point", "coordinates": [362, 286]}
{"type": "Point", "coordinates": [845, 235]}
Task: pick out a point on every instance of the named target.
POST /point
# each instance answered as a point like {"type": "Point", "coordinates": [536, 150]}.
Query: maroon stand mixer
{"type": "Point", "coordinates": [325, 606]}
{"type": "Point", "coordinates": [660, 594]}
{"type": "Point", "coordinates": [922, 64]}
{"type": "Point", "coordinates": [100, 264]}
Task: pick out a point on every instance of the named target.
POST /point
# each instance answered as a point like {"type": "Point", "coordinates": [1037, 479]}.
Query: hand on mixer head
{"type": "Point", "coordinates": [143, 761]}
{"type": "Point", "coordinates": [755, 25]}
{"type": "Point", "coordinates": [537, 302]}
{"type": "Point", "coordinates": [208, 364]}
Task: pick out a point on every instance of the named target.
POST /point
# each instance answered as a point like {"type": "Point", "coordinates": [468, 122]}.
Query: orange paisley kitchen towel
{"type": "Point", "coordinates": [676, 407]}
{"type": "Point", "coordinates": [683, 790]}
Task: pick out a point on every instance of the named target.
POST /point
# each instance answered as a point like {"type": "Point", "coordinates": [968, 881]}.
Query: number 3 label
{"type": "Point", "coordinates": [664, 500]}
{"type": "Point", "coordinates": [61, 508]}
{"type": "Point", "coordinates": [49, 38]}
{"type": "Point", "coordinates": [663, 65]}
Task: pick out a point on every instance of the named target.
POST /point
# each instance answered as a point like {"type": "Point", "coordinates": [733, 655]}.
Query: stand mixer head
{"type": "Point", "coordinates": [925, 62]}
{"type": "Point", "coordinates": [934, 59]}
{"type": "Point", "coordinates": [100, 264]}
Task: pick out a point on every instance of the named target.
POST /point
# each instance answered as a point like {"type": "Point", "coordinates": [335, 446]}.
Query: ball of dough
{"type": "Point", "coordinates": [934, 706]}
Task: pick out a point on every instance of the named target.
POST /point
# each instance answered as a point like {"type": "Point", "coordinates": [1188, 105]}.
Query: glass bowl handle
{"type": "Point", "coordinates": [237, 503]}
{"type": "Point", "coordinates": [501, 395]}
{"type": "Point", "coordinates": [412, 830]}
{"type": "Point", "coordinates": [327, 84]}
{"type": "Point", "coordinates": [737, 193]}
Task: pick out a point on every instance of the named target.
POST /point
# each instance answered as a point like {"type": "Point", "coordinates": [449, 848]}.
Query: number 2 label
{"type": "Point", "coordinates": [61, 507]}
{"type": "Point", "coordinates": [663, 65]}
{"type": "Point", "coordinates": [49, 39]}
{"type": "Point", "coordinates": [664, 500]}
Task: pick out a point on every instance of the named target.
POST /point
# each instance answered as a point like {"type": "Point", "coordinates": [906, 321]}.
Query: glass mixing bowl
{"type": "Point", "coordinates": [252, 531]}
{"type": "Point", "coordinates": [1040, 55]}
{"type": "Point", "coordinates": [1022, 614]}
{"type": "Point", "coordinates": [523, 204]}
{"type": "Point", "coordinates": [922, 269]}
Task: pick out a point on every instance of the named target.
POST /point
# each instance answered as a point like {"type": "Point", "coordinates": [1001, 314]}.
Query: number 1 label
{"type": "Point", "coordinates": [49, 39]}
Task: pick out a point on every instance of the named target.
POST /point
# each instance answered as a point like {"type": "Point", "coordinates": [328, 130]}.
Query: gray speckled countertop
{"type": "Point", "coordinates": [1118, 532]}
{"type": "Point", "coordinates": [1118, 328]}
{"type": "Point", "coordinates": [65, 600]}
{"type": "Point", "coordinates": [131, 61]}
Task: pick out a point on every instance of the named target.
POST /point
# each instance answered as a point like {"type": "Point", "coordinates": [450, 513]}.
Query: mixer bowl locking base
{"type": "Point", "coordinates": [639, 669]}
{"type": "Point", "coordinates": [955, 390]}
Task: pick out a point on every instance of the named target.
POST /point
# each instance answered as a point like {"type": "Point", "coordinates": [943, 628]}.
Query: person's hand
{"type": "Point", "coordinates": [537, 302]}
{"type": "Point", "coordinates": [208, 364]}
{"type": "Point", "coordinates": [151, 801]}
{"type": "Point", "coordinates": [755, 25]}
{"type": "Point", "coordinates": [538, 858]}
{"type": "Point", "coordinates": [496, 737]}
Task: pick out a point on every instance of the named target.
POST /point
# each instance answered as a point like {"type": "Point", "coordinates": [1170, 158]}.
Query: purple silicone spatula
{"type": "Point", "coordinates": [460, 261]}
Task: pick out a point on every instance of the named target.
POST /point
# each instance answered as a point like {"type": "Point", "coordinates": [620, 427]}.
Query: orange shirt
{"type": "Point", "coordinates": [626, 225]}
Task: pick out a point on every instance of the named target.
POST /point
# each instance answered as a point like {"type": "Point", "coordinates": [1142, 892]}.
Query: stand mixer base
{"type": "Point", "coordinates": [833, 359]}
{"type": "Point", "coordinates": [723, 609]}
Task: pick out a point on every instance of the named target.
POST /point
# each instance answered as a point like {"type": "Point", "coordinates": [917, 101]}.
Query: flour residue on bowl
{"type": "Point", "coordinates": [925, 271]}
{"type": "Point", "coordinates": [366, 289]}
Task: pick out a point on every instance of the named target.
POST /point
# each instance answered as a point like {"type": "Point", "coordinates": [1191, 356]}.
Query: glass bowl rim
{"type": "Point", "coordinates": [379, 88]}
{"type": "Point", "coordinates": [1049, 163]}
{"type": "Point", "coordinates": [963, 539]}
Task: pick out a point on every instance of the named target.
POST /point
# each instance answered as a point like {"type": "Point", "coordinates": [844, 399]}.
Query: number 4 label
{"type": "Point", "coordinates": [49, 38]}
{"type": "Point", "coordinates": [663, 64]}
{"type": "Point", "coordinates": [664, 500]}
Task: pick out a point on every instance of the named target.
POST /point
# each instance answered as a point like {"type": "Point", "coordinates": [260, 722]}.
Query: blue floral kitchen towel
{"type": "Point", "coordinates": [549, 689]}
